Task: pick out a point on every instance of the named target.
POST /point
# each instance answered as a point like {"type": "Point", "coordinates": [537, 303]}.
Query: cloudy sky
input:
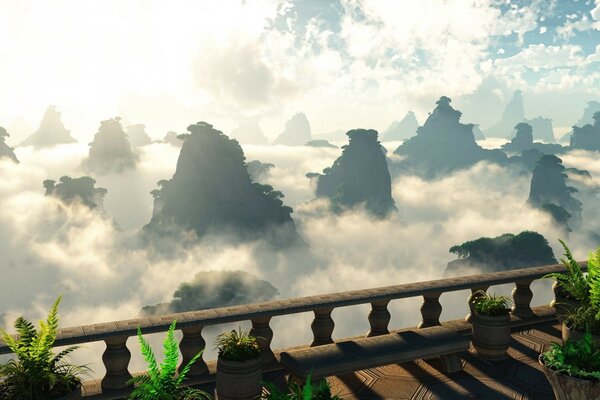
{"type": "Point", "coordinates": [345, 63]}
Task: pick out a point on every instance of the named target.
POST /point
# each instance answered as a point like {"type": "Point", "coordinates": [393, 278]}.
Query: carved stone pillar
{"type": "Point", "coordinates": [191, 344]}
{"type": "Point", "coordinates": [522, 296]}
{"type": "Point", "coordinates": [322, 327]}
{"type": "Point", "coordinates": [116, 360]}
{"type": "Point", "coordinates": [379, 318]}
{"type": "Point", "coordinates": [431, 309]}
{"type": "Point", "coordinates": [471, 301]}
{"type": "Point", "coordinates": [264, 334]}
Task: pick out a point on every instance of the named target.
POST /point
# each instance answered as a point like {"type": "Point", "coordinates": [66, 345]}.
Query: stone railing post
{"type": "Point", "coordinates": [264, 334]}
{"type": "Point", "coordinates": [471, 301]}
{"type": "Point", "coordinates": [322, 327]}
{"type": "Point", "coordinates": [522, 296]}
{"type": "Point", "coordinates": [431, 309]}
{"type": "Point", "coordinates": [116, 360]}
{"type": "Point", "coordinates": [191, 344]}
{"type": "Point", "coordinates": [379, 318]}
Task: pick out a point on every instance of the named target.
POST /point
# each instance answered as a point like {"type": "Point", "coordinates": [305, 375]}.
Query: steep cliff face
{"type": "Point", "coordinates": [549, 190]}
{"type": "Point", "coordinates": [110, 150]}
{"type": "Point", "coordinates": [588, 136]}
{"type": "Point", "coordinates": [249, 132]}
{"type": "Point", "coordinates": [442, 145]}
{"type": "Point", "coordinates": [51, 131]}
{"type": "Point", "coordinates": [586, 119]}
{"type": "Point", "coordinates": [297, 132]}
{"type": "Point", "coordinates": [213, 289]}
{"type": "Point", "coordinates": [512, 115]}
{"type": "Point", "coordinates": [401, 130]}
{"type": "Point", "coordinates": [211, 191]}
{"type": "Point", "coordinates": [72, 190]}
{"type": "Point", "coordinates": [5, 150]}
{"type": "Point", "coordinates": [502, 253]}
{"type": "Point", "coordinates": [137, 136]}
{"type": "Point", "coordinates": [523, 139]}
{"type": "Point", "coordinates": [359, 176]}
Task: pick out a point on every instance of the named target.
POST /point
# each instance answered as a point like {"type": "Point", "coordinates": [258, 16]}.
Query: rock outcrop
{"type": "Point", "coordinates": [542, 129]}
{"type": "Point", "coordinates": [502, 253]}
{"type": "Point", "coordinates": [77, 190]}
{"type": "Point", "coordinates": [297, 132]}
{"type": "Point", "coordinates": [401, 130]}
{"type": "Point", "coordinates": [549, 191]}
{"type": "Point", "coordinates": [523, 140]}
{"type": "Point", "coordinates": [442, 145]}
{"type": "Point", "coordinates": [211, 192]}
{"type": "Point", "coordinates": [5, 150]}
{"type": "Point", "coordinates": [249, 132]}
{"type": "Point", "coordinates": [258, 170]}
{"type": "Point", "coordinates": [110, 151]}
{"type": "Point", "coordinates": [50, 132]}
{"type": "Point", "coordinates": [213, 289]}
{"type": "Point", "coordinates": [512, 115]}
{"type": "Point", "coordinates": [587, 137]}
{"type": "Point", "coordinates": [137, 136]}
{"type": "Point", "coordinates": [359, 176]}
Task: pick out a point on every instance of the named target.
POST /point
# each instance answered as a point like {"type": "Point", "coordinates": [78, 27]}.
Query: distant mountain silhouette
{"type": "Point", "coordinates": [173, 139]}
{"type": "Point", "coordinates": [211, 191]}
{"type": "Point", "coordinates": [110, 151]}
{"type": "Point", "coordinates": [213, 289]}
{"type": "Point", "coordinates": [249, 132]}
{"type": "Point", "coordinates": [512, 115]}
{"type": "Point", "coordinates": [587, 137]}
{"type": "Point", "coordinates": [442, 145]}
{"type": "Point", "coordinates": [51, 131]}
{"type": "Point", "coordinates": [297, 132]}
{"type": "Point", "coordinates": [586, 119]}
{"type": "Point", "coordinates": [5, 150]}
{"type": "Point", "coordinates": [477, 132]}
{"type": "Point", "coordinates": [549, 191]}
{"type": "Point", "coordinates": [401, 130]}
{"type": "Point", "coordinates": [71, 190]}
{"type": "Point", "coordinates": [321, 143]}
{"type": "Point", "coordinates": [359, 176]}
{"type": "Point", "coordinates": [542, 129]}
{"type": "Point", "coordinates": [137, 135]}
{"type": "Point", "coordinates": [502, 253]}
{"type": "Point", "coordinates": [258, 170]}
{"type": "Point", "coordinates": [523, 140]}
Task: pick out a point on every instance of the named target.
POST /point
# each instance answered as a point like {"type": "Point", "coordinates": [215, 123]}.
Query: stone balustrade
{"type": "Point", "coordinates": [115, 334]}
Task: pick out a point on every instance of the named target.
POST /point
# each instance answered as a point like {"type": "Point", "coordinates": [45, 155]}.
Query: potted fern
{"type": "Point", "coordinates": [239, 367]}
{"type": "Point", "coordinates": [491, 325]}
{"type": "Point", "coordinates": [38, 373]}
{"type": "Point", "coordinates": [573, 369]}
{"type": "Point", "coordinates": [161, 382]}
{"type": "Point", "coordinates": [309, 391]}
{"type": "Point", "coordinates": [585, 289]}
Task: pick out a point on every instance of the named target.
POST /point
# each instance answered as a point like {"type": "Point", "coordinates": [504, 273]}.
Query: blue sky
{"type": "Point", "coordinates": [345, 63]}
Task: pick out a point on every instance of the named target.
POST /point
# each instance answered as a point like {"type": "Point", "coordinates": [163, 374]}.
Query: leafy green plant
{"type": "Point", "coordinates": [582, 287]}
{"type": "Point", "coordinates": [309, 391]}
{"type": "Point", "coordinates": [161, 382]}
{"type": "Point", "coordinates": [490, 304]}
{"type": "Point", "coordinates": [237, 346]}
{"type": "Point", "coordinates": [580, 359]}
{"type": "Point", "coordinates": [37, 373]}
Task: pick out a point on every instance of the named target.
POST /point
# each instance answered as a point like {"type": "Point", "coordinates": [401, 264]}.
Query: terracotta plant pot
{"type": "Point", "coordinates": [561, 303]}
{"type": "Point", "coordinates": [491, 335]}
{"type": "Point", "coordinates": [566, 387]}
{"type": "Point", "coordinates": [239, 380]}
{"type": "Point", "coordinates": [568, 333]}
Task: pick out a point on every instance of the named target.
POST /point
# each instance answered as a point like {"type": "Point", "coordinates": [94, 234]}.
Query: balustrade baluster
{"type": "Point", "coordinates": [116, 360]}
{"type": "Point", "coordinates": [191, 344]}
{"type": "Point", "coordinates": [322, 327]}
{"type": "Point", "coordinates": [522, 296]}
{"type": "Point", "coordinates": [264, 334]}
{"type": "Point", "coordinates": [379, 318]}
{"type": "Point", "coordinates": [471, 301]}
{"type": "Point", "coordinates": [431, 309]}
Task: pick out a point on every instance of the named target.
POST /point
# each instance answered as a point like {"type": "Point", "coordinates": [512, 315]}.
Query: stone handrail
{"type": "Point", "coordinates": [115, 334]}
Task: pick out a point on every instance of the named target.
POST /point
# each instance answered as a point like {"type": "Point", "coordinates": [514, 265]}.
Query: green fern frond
{"type": "Point", "coordinates": [186, 369]}
{"type": "Point", "coordinates": [169, 365]}
{"type": "Point", "coordinates": [148, 354]}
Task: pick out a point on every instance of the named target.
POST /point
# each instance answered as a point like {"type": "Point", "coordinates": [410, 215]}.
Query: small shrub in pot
{"type": "Point", "coordinates": [491, 326]}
